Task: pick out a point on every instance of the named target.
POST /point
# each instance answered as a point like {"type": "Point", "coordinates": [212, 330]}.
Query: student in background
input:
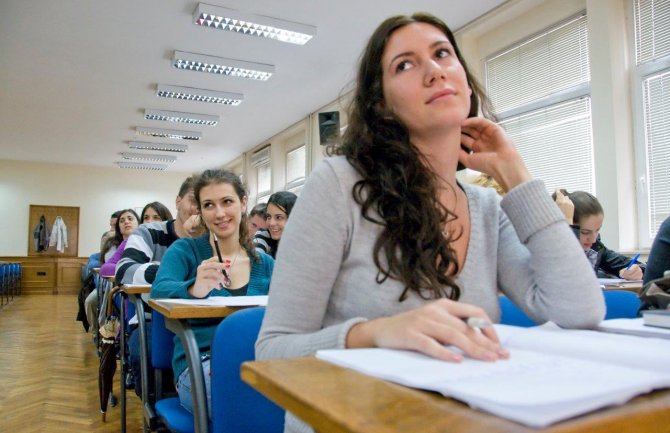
{"type": "Point", "coordinates": [193, 268]}
{"type": "Point", "coordinates": [278, 209]}
{"type": "Point", "coordinates": [109, 233]}
{"type": "Point", "coordinates": [586, 221]}
{"type": "Point", "coordinates": [659, 255]}
{"type": "Point", "coordinates": [256, 220]}
{"type": "Point", "coordinates": [126, 221]}
{"type": "Point", "coordinates": [487, 182]}
{"type": "Point", "coordinates": [144, 251]}
{"type": "Point", "coordinates": [155, 212]}
{"type": "Point", "coordinates": [386, 249]}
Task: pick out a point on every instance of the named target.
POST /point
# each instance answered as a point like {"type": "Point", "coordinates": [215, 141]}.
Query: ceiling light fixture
{"type": "Point", "coordinates": [148, 157]}
{"type": "Point", "coordinates": [254, 25]}
{"type": "Point", "coordinates": [168, 133]}
{"type": "Point", "coordinates": [178, 116]}
{"type": "Point", "coordinates": [141, 166]}
{"type": "Point", "coordinates": [221, 65]}
{"type": "Point", "coordinates": [201, 95]}
{"type": "Point", "coordinates": [165, 147]}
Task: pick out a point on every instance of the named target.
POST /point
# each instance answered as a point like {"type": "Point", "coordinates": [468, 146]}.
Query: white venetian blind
{"type": "Point", "coordinates": [295, 169]}
{"type": "Point", "coordinates": [656, 96]}
{"type": "Point", "coordinates": [652, 32]}
{"type": "Point", "coordinates": [264, 182]}
{"type": "Point", "coordinates": [555, 143]}
{"type": "Point", "coordinates": [553, 61]}
{"type": "Point", "coordinates": [540, 89]}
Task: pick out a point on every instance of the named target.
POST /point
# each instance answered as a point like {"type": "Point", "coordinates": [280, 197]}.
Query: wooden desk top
{"type": "Point", "coordinates": [183, 311]}
{"type": "Point", "coordinates": [136, 290]}
{"type": "Point", "coordinates": [335, 399]}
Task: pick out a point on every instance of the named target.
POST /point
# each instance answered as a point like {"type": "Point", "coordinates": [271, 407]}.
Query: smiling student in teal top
{"type": "Point", "coordinates": [191, 269]}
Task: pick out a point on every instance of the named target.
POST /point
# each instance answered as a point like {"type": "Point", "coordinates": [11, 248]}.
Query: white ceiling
{"type": "Point", "coordinates": [76, 75]}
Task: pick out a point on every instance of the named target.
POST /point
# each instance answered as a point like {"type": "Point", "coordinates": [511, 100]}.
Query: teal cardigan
{"type": "Point", "coordinates": [177, 273]}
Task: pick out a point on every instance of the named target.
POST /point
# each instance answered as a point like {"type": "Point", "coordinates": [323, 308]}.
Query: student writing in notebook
{"type": "Point", "coordinates": [385, 248]}
{"type": "Point", "coordinates": [586, 219]}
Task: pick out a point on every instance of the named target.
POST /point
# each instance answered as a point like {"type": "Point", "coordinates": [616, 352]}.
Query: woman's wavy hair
{"type": "Point", "coordinates": [160, 209]}
{"type": "Point", "coordinates": [216, 176]}
{"type": "Point", "coordinates": [397, 189]}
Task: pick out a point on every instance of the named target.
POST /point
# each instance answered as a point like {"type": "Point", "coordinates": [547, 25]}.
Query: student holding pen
{"type": "Point", "coordinates": [385, 248]}
{"type": "Point", "coordinates": [586, 219]}
{"type": "Point", "coordinates": [220, 263]}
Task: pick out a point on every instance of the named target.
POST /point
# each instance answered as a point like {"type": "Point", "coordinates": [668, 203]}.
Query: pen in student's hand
{"type": "Point", "coordinates": [633, 260]}
{"type": "Point", "coordinates": [477, 322]}
{"type": "Point", "coordinates": [218, 254]}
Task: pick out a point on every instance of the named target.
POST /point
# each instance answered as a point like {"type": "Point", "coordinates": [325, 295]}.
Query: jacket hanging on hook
{"type": "Point", "coordinates": [59, 235]}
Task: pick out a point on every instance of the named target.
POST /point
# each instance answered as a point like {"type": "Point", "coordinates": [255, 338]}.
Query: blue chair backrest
{"type": "Point", "coordinates": [621, 304]}
{"type": "Point", "coordinates": [510, 314]}
{"type": "Point", "coordinates": [162, 342]}
{"type": "Point", "coordinates": [236, 407]}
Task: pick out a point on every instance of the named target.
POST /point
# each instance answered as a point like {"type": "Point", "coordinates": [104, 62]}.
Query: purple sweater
{"type": "Point", "coordinates": [108, 269]}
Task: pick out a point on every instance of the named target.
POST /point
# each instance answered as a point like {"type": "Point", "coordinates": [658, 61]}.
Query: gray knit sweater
{"type": "Point", "coordinates": [324, 277]}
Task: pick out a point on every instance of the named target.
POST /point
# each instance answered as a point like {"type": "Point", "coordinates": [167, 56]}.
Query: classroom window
{"type": "Point", "coordinates": [540, 91]}
{"type": "Point", "coordinates": [651, 95]}
{"type": "Point", "coordinates": [295, 169]}
{"type": "Point", "coordinates": [264, 182]}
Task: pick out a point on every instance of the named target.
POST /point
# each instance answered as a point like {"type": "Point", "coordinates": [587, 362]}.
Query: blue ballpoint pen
{"type": "Point", "coordinates": [633, 260]}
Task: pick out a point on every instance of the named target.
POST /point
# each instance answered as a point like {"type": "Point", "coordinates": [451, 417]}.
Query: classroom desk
{"type": "Point", "coordinates": [134, 293]}
{"type": "Point", "coordinates": [176, 320]}
{"type": "Point", "coordinates": [335, 399]}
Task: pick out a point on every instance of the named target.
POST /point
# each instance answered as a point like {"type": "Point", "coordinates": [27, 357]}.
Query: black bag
{"type": "Point", "coordinates": [87, 287]}
{"type": "Point", "coordinates": [655, 295]}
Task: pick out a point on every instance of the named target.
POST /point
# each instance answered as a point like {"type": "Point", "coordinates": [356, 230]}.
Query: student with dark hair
{"type": "Point", "coordinates": [155, 212]}
{"type": "Point", "coordinates": [387, 249]}
{"type": "Point", "coordinates": [192, 269]}
{"type": "Point", "coordinates": [278, 209]}
{"type": "Point", "coordinates": [256, 220]}
{"type": "Point", "coordinates": [586, 222]}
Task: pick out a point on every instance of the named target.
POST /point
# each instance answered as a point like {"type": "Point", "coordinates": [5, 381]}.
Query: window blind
{"type": "Point", "coordinates": [555, 143]}
{"type": "Point", "coordinates": [555, 60]}
{"type": "Point", "coordinates": [263, 182]}
{"type": "Point", "coordinates": [652, 32]}
{"type": "Point", "coordinates": [295, 168]}
{"type": "Point", "coordinates": [656, 100]}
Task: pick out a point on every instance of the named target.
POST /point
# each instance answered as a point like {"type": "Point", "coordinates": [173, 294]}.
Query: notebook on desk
{"type": "Point", "coordinates": [619, 283]}
{"type": "Point", "coordinates": [552, 374]}
{"type": "Point", "coordinates": [633, 327]}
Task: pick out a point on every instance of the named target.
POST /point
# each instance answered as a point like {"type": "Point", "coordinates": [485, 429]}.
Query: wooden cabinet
{"type": "Point", "coordinates": [49, 275]}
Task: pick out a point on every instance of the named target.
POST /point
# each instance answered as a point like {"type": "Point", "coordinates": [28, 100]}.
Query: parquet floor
{"type": "Point", "coordinates": [49, 371]}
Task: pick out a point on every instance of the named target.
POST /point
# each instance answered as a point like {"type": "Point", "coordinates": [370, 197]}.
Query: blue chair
{"type": "Point", "coordinates": [169, 410]}
{"type": "Point", "coordinates": [237, 407]}
{"type": "Point", "coordinates": [621, 304]}
{"type": "Point", "coordinates": [513, 315]}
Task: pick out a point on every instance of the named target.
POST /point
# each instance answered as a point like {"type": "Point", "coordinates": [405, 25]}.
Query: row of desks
{"type": "Point", "coordinates": [335, 399]}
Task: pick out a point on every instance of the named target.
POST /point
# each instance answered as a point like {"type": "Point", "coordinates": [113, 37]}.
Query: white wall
{"type": "Point", "coordinates": [98, 192]}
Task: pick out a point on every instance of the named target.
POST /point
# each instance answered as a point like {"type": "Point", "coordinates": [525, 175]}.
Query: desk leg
{"type": "Point", "coordinates": [122, 357]}
{"type": "Point", "coordinates": [183, 330]}
{"type": "Point", "coordinates": [148, 412]}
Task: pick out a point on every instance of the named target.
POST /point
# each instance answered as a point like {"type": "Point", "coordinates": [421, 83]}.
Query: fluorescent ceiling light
{"type": "Point", "coordinates": [202, 95]}
{"type": "Point", "coordinates": [178, 116]}
{"type": "Point", "coordinates": [169, 133]}
{"type": "Point", "coordinates": [142, 166]}
{"type": "Point", "coordinates": [221, 65]}
{"type": "Point", "coordinates": [165, 147]}
{"type": "Point", "coordinates": [254, 25]}
{"type": "Point", "coordinates": [148, 157]}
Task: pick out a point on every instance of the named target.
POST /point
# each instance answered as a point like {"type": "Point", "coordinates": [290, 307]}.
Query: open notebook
{"type": "Point", "coordinates": [552, 374]}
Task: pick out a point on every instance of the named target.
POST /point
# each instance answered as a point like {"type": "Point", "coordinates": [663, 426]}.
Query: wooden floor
{"type": "Point", "coordinates": [49, 371]}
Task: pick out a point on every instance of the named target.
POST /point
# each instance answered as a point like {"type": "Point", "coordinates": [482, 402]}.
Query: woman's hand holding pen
{"type": "Point", "coordinates": [429, 329]}
{"type": "Point", "coordinates": [632, 273]}
{"type": "Point", "coordinates": [208, 277]}
{"type": "Point", "coordinates": [492, 152]}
